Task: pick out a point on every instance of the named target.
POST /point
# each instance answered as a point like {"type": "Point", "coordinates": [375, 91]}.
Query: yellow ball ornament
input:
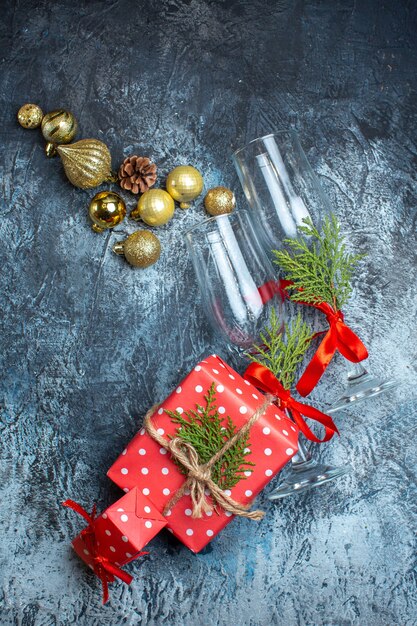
{"type": "Point", "coordinates": [30, 116]}
{"type": "Point", "coordinates": [219, 200]}
{"type": "Point", "coordinates": [184, 184]}
{"type": "Point", "coordinates": [107, 209]}
{"type": "Point", "coordinates": [59, 126]}
{"type": "Point", "coordinates": [140, 249]}
{"type": "Point", "coordinates": [155, 207]}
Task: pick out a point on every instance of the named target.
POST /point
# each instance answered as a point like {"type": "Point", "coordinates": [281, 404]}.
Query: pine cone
{"type": "Point", "coordinates": [137, 174]}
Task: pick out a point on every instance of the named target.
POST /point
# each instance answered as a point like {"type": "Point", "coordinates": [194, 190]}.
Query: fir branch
{"type": "Point", "coordinates": [207, 432]}
{"type": "Point", "coordinates": [282, 349]}
{"type": "Point", "coordinates": [318, 264]}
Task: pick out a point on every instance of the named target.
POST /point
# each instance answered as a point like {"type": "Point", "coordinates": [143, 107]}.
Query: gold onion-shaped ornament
{"type": "Point", "coordinates": [87, 163]}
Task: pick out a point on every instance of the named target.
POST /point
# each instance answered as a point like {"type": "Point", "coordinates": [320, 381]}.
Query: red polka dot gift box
{"type": "Point", "coordinates": [121, 531]}
{"type": "Point", "coordinates": [148, 466]}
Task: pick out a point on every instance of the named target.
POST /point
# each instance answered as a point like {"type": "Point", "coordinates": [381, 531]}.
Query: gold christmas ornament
{"type": "Point", "coordinates": [30, 116]}
{"type": "Point", "coordinates": [219, 200]}
{"type": "Point", "coordinates": [155, 207]}
{"type": "Point", "coordinates": [59, 126]}
{"type": "Point", "coordinates": [140, 249]}
{"type": "Point", "coordinates": [50, 149]}
{"type": "Point", "coordinates": [107, 209]}
{"type": "Point", "coordinates": [87, 163]}
{"type": "Point", "coordinates": [184, 184]}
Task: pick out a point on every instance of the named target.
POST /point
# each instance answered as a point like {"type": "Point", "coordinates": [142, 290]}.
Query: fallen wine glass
{"type": "Point", "coordinates": [235, 275]}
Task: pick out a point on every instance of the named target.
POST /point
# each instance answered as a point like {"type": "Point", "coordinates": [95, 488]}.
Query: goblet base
{"type": "Point", "coordinates": [361, 387]}
{"type": "Point", "coordinates": [305, 475]}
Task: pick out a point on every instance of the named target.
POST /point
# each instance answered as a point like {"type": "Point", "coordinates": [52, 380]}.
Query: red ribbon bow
{"type": "Point", "coordinates": [102, 567]}
{"type": "Point", "coordinates": [338, 337]}
{"type": "Point", "coordinates": [264, 379]}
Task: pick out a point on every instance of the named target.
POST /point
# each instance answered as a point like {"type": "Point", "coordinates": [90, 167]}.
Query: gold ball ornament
{"type": "Point", "coordinates": [219, 200]}
{"type": "Point", "coordinates": [140, 249]}
{"type": "Point", "coordinates": [59, 126]}
{"type": "Point", "coordinates": [30, 116]}
{"type": "Point", "coordinates": [87, 163]}
{"type": "Point", "coordinates": [106, 209]}
{"type": "Point", "coordinates": [184, 184]}
{"type": "Point", "coordinates": [155, 207]}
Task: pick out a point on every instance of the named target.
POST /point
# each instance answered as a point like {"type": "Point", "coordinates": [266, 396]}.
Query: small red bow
{"type": "Point", "coordinates": [264, 379]}
{"type": "Point", "coordinates": [339, 337]}
{"type": "Point", "coordinates": [102, 567]}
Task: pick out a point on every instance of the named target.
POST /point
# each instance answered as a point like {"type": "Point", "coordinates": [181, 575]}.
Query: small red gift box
{"type": "Point", "coordinates": [146, 465]}
{"type": "Point", "coordinates": [122, 530]}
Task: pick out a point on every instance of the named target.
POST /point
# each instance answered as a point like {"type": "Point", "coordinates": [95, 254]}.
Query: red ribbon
{"type": "Point", "coordinates": [339, 337]}
{"type": "Point", "coordinates": [272, 287]}
{"type": "Point", "coordinates": [264, 379]}
{"type": "Point", "coordinates": [102, 567]}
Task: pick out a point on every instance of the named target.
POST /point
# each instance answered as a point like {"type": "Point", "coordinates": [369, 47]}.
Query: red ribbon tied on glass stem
{"type": "Point", "coordinates": [102, 567]}
{"type": "Point", "coordinates": [264, 379]}
{"type": "Point", "coordinates": [339, 337]}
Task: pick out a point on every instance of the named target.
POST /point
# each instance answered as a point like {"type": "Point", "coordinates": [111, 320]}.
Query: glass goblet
{"type": "Point", "coordinates": [234, 273]}
{"type": "Point", "coordinates": [282, 190]}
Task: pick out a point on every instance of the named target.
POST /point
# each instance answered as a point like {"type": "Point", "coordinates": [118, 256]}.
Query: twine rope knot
{"type": "Point", "coordinates": [199, 480]}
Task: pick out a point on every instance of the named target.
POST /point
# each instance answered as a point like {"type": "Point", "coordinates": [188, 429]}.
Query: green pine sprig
{"type": "Point", "coordinates": [207, 432]}
{"type": "Point", "coordinates": [318, 264]}
{"type": "Point", "coordinates": [283, 348]}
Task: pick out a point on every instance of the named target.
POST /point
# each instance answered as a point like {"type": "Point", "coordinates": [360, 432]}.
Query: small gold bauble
{"type": "Point", "coordinates": [59, 126]}
{"type": "Point", "coordinates": [140, 249]}
{"type": "Point", "coordinates": [107, 209]}
{"type": "Point", "coordinates": [30, 116]}
{"type": "Point", "coordinates": [184, 184]}
{"type": "Point", "coordinates": [219, 200]}
{"type": "Point", "coordinates": [155, 207]}
{"type": "Point", "coordinates": [87, 163]}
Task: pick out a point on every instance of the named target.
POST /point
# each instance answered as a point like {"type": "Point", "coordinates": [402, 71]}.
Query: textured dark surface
{"type": "Point", "coordinates": [89, 343]}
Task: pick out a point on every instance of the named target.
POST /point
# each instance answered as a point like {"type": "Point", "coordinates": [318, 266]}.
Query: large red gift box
{"type": "Point", "coordinates": [148, 466]}
{"type": "Point", "coordinates": [122, 530]}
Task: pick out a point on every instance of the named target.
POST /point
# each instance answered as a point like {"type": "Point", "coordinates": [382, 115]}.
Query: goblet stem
{"type": "Point", "coordinates": [361, 385]}
{"type": "Point", "coordinates": [305, 472]}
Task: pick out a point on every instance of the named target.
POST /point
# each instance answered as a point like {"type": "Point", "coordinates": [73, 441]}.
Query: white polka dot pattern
{"type": "Point", "coordinates": [272, 441]}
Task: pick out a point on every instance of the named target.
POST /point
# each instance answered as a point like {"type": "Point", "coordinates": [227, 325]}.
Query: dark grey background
{"type": "Point", "coordinates": [89, 343]}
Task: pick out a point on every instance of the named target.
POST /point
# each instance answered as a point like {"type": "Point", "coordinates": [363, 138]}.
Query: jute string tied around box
{"type": "Point", "coordinates": [199, 476]}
